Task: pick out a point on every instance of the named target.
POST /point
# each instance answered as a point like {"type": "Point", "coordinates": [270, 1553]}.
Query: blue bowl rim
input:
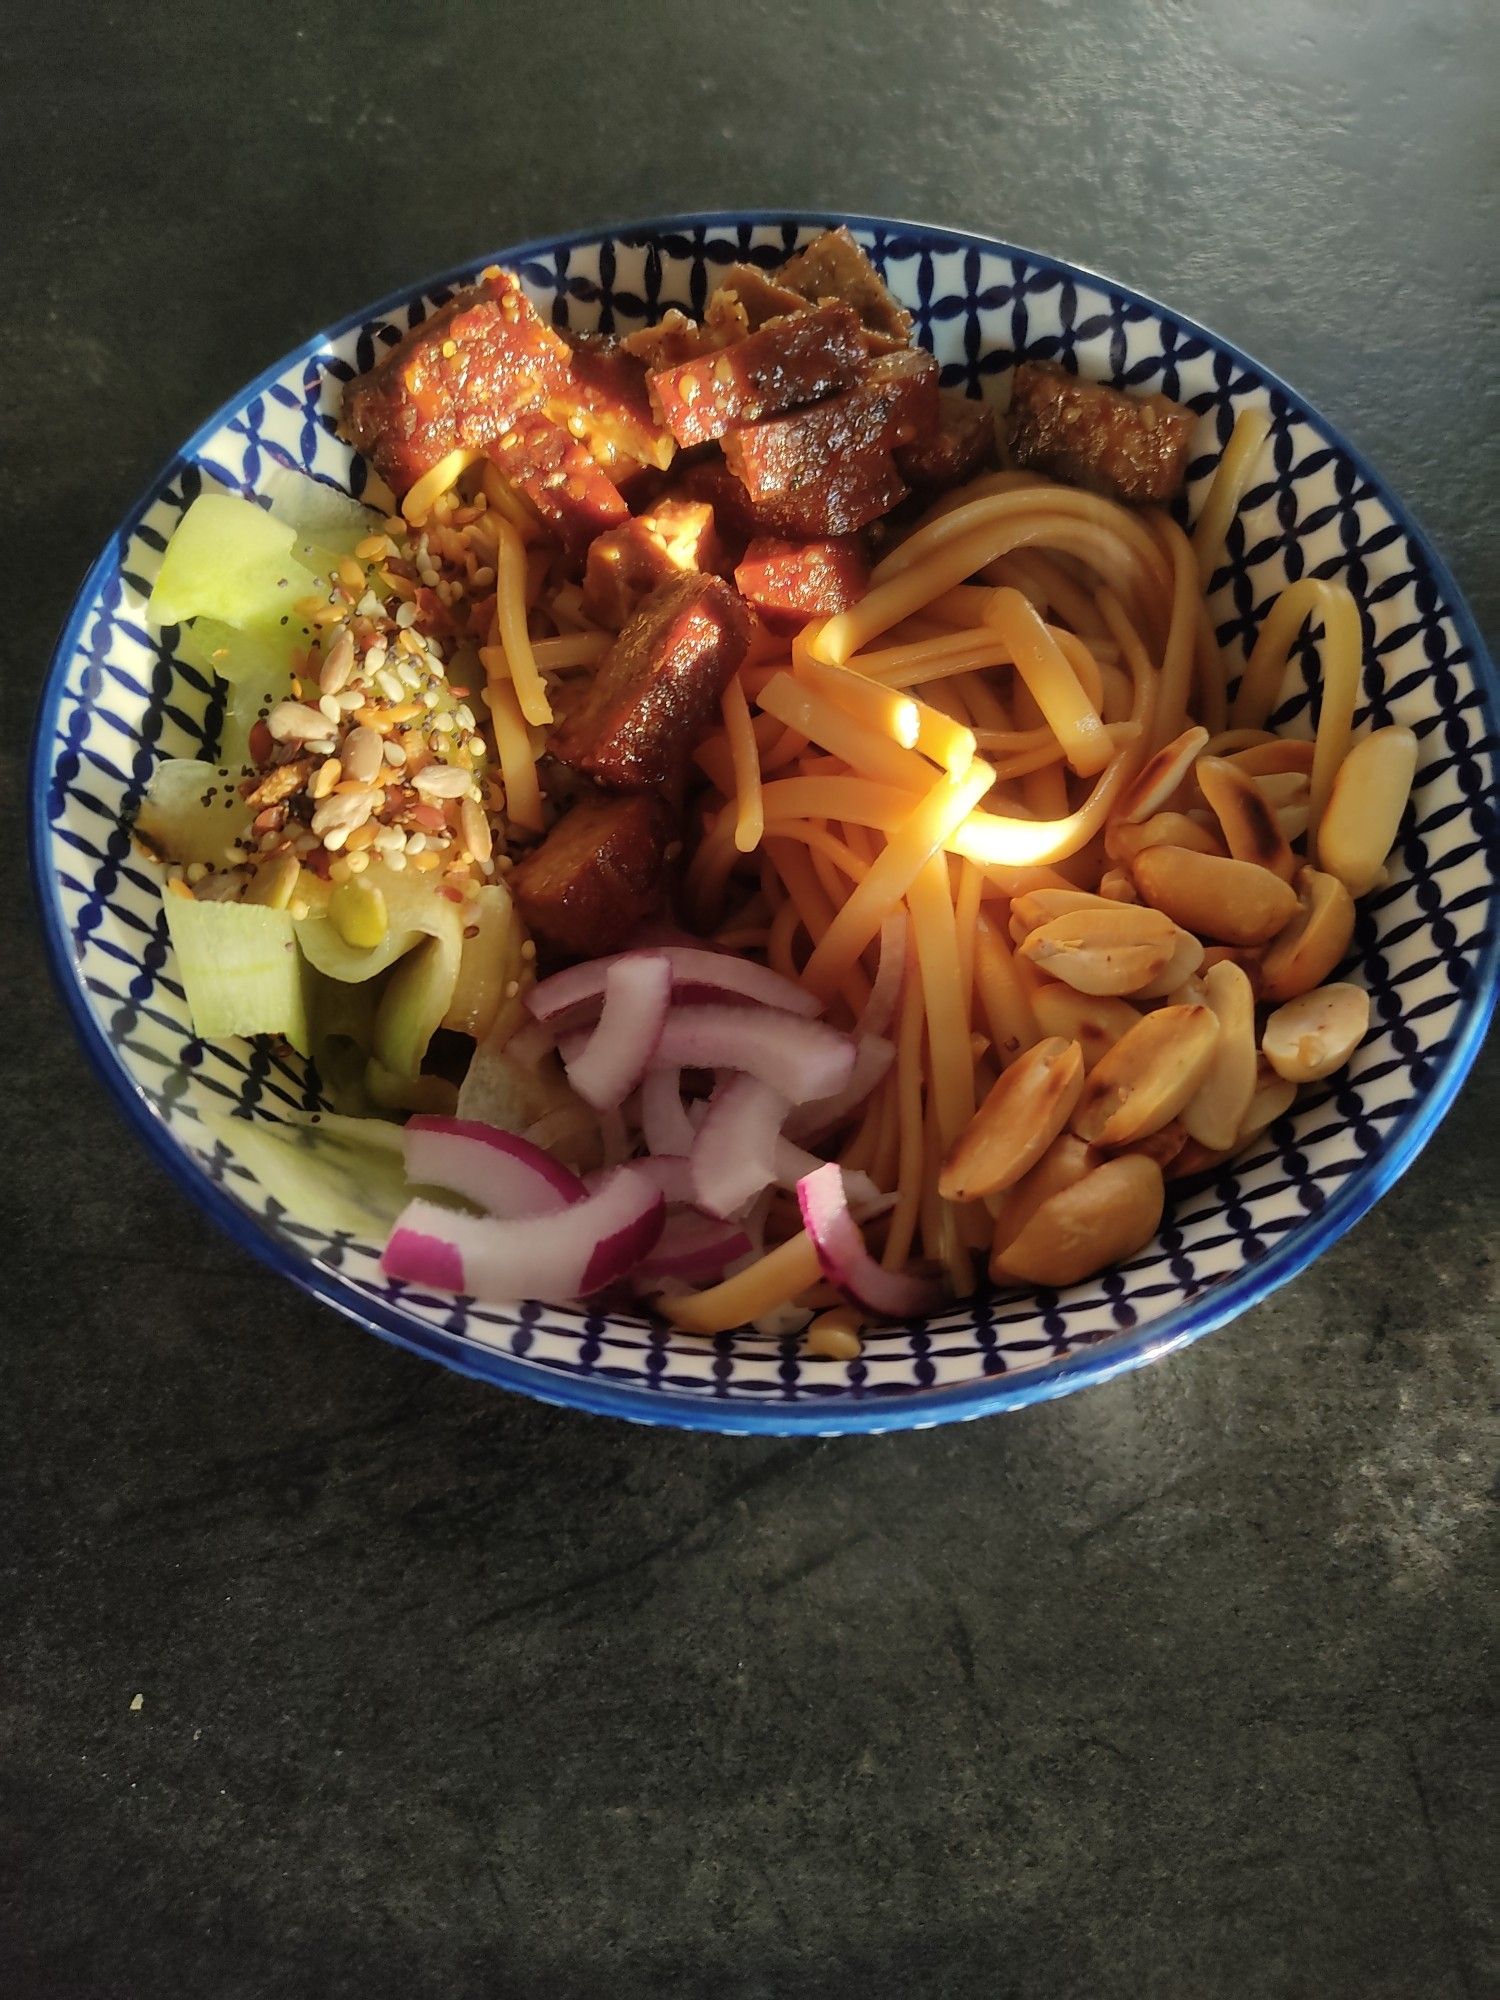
{"type": "Point", "coordinates": [888, 1410]}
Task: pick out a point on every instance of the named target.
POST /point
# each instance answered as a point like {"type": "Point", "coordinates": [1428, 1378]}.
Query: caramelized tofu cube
{"type": "Point", "coordinates": [789, 583]}
{"type": "Point", "coordinates": [658, 687]}
{"type": "Point", "coordinates": [760, 296]}
{"type": "Point", "coordinates": [1128, 447]}
{"type": "Point", "coordinates": [828, 469]}
{"type": "Point", "coordinates": [598, 875]}
{"type": "Point", "coordinates": [573, 496]}
{"type": "Point", "coordinates": [789, 361]}
{"type": "Point", "coordinates": [833, 266]}
{"type": "Point", "coordinates": [673, 338]}
{"type": "Point", "coordinates": [674, 538]}
{"type": "Point", "coordinates": [608, 407]}
{"type": "Point", "coordinates": [962, 444]}
{"type": "Point", "coordinates": [455, 382]}
{"type": "Point", "coordinates": [708, 479]}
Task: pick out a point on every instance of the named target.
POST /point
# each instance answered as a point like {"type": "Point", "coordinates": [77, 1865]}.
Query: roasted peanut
{"type": "Point", "coordinates": [1066, 1160]}
{"type": "Point", "coordinates": [1247, 817]}
{"type": "Point", "coordinates": [1017, 1122]}
{"type": "Point", "coordinates": [1315, 1034]}
{"type": "Point", "coordinates": [1147, 1077]}
{"type": "Point", "coordinates": [1110, 1213]}
{"type": "Point", "coordinates": [1312, 944]}
{"type": "Point", "coordinates": [1164, 829]}
{"type": "Point", "coordinates": [1287, 753]}
{"type": "Point", "coordinates": [1236, 902]}
{"type": "Point", "coordinates": [1040, 906]}
{"type": "Point", "coordinates": [1272, 1099]}
{"type": "Point", "coordinates": [1095, 1021]}
{"type": "Point", "coordinates": [1159, 777]}
{"type": "Point", "coordinates": [1363, 814]}
{"type": "Point", "coordinates": [1118, 886]}
{"type": "Point", "coordinates": [1216, 1110]}
{"type": "Point", "coordinates": [1164, 1145]}
{"type": "Point", "coordinates": [1283, 788]}
{"type": "Point", "coordinates": [1187, 957]}
{"type": "Point", "coordinates": [1110, 948]}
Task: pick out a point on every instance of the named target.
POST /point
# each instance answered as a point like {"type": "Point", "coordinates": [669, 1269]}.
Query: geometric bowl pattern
{"type": "Point", "coordinates": [117, 700]}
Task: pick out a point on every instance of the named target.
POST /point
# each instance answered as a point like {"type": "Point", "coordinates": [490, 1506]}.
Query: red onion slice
{"type": "Point", "coordinates": [672, 1175]}
{"type": "Point", "coordinates": [506, 1174]}
{"type": "Point", "coordinates": [664, 1119]}
{"type": "Point", "coordinates": [794, 1165]}
{"type": "Point", "coordinates": [847, 1264]}
{"type": "Point", "coordinates": [799, 1059]}
{"type": "Point", "coordinates": [693, 1246]}
{"type": "Point", "coordinates": [591, 1244]}
{"type": "Point", "coordinates": [880, 1008]}
{"type": "Point", "coordinates": [734, 1154]}
{"type": "Point", "coordinates": [696, 974]}
{"type": "Point", "coordinates": [872, 1058]}
{"type": "Point", "coordinates": [637, 994]}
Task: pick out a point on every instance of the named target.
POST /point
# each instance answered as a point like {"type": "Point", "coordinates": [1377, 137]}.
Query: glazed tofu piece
{"type": "Point", "coordinates": [789, 583]}
{"type": "Point", "coordinates": [456, 382]}
{"type": "Point", "coordinates": [673, 538]}
{"type": "Point", "coordinates": [833, 266]}
{"type": "Point", "coordinates": [759, 295]}
{"type": "Point", "coordinates": [1128, 447]}
{"type": "Point", "coordinates": [962, 444]}
{"type": "Point", "coordinates": [829, 469]}
{"type": "Point", "coordinates": [657, 689]}
{"type": "Point", "coordinates": [672, 338]}
{"type": "Point", "coordinates": [598, 875]}
{"type": "Point", "coordinates": [574, 497]}
{"type": "Point", "coordinates": [607, 406]}
{"type": "Point", "coordinates": [788, 362]}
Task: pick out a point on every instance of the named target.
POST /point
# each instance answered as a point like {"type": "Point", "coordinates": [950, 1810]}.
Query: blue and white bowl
{"type": "Point", "coordinates": [116, 701]}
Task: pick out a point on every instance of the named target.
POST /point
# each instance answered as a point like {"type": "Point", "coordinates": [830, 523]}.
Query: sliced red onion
{"type": "Point", "coordinates": [591, 1244]}
{"type": "Point", "coordinates": [734, 1154]}
{"type": "Point", "coordinates": [664, 1119]}
{"type": "Point", "coordinates": [846, 1262]}
{"type": "Point", "coordinates": [696, 974]}
{"type": "Point", "coordinates": [799, 1059]}
{"type": "Point", "coordinates": [873, 1056]}
{"type": "Point", "coordinates": [637, 994]}
{"type": "Point", "coordinates": [673, 1175]}
{"type": "Point", "coordinates": [794, 1165]}
{"type": "Point", "coordinates": [508, 1175]}
{"type": "Point", "coordinates": [693, 1246]}
{"type": "Point", "coordinates": [880, 1008]}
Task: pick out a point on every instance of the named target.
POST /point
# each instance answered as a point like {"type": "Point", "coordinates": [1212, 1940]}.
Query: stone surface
{"type": "Point", "coordinates": [323, 1673]}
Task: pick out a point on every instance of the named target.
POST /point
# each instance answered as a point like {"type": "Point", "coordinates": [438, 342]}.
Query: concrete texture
{"type": "Point", "coordinates": [1184, 1687]}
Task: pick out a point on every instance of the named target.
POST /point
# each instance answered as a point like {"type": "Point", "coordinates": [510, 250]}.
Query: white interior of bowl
{"type": "Point", "coordinates": [123, 703]}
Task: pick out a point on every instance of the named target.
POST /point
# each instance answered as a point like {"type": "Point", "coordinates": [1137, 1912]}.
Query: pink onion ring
{"type": "Point", "coordinates": [847, 1264]}
{"type": "Point", "coordinates": [504, 1173]}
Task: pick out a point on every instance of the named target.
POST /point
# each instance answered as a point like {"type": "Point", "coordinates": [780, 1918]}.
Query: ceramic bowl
{"type": "Point", "coordinates": [116, 701]}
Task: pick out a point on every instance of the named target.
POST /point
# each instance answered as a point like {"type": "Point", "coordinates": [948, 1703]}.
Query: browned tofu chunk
{"type": "Point", "coordinates": [626, 564]}
{"type": "Point", "coordinates": [598, 875]}
{"type": "Point", "coordinates": [607, 406]}
{"type": "Point", "coordinates": [789, 361]}
{"type": "Point", "coordinates": [760, 296]}
{"type": "Point", "coordinates": [833, 266]}
{"type": "Point", "coordinates": [672, 338]}
{"type": "Point", "coordinates": [1128, 447]}
{"type": "Point", "coordinates": [564, 483]}
{"type": "Point", "coordinates": [789, 583]}
{"type": "Point", "coordinates": [962, 444]}
{"type": "Point", "coordinates": [455, 382]}
{"type": "Point", "coordinates": [658, 687]}
{"type": "Point", "coordinates": [829, 469]}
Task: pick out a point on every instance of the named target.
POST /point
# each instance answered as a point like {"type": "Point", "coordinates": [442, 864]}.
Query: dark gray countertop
{"type": "Point", "coordinates": [1177, 1688]}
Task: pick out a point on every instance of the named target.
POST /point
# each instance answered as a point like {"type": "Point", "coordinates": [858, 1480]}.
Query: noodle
{"type": "Point", "coordinates": [1231, 477]}
{"type": "Point", "coordinates": [511, 630]}
{"type": "Point", "coordinates": [744, 751]}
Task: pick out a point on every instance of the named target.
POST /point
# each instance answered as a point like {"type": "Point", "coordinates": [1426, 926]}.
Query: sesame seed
{"type": "Point", "coordinates": [389, 684]}
{"type": "Point", "coordinates": [339, 871]}
{"type": "Point", "coordinates": [406, 615]}
{"type": "Point", "coordinates": [394, 755]}
{"type": "Point", "coordinates": [416, 842]}
{"type": "Point", "coordinates": [390, 840]}
{"type": "Point", "coordinates": [396, 860]}
{"type": "Point", "coordinates": [357, 863]}
{"type": "Point", "coordinates": [330, 708]}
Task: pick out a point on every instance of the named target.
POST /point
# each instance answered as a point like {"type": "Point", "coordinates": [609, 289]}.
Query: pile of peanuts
{"type": "Point", "coordinates": [1184, 1004]}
